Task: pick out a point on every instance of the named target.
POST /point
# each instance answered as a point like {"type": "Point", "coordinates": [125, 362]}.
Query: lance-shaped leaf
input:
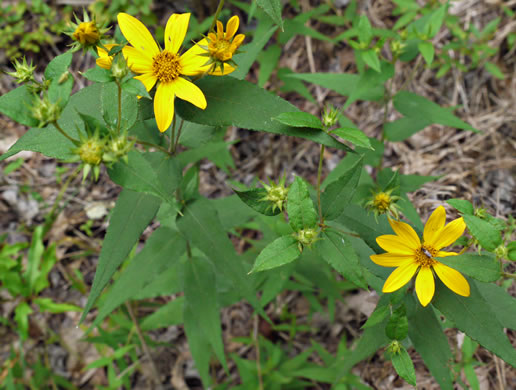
{"type": "Point", "coordinates": [430, 342]}
{"type": "Point", "coordinates": [299, 119]}
{"type": "Point", "coordinates": [17, 104]}
{"type": "Point", "coordinates": [273, 9]}
{"type": "Point", "coordinates": [337, 251]}
{"type": "Point", "coordinates": [339, 193]}
{"type": "Point", "coordinates": [239, 103]}
{"type": "Point", "coordinates": [502, 303]}
{"type": "Point", "coordinates": [300, 208]}
{"type": "Point", "coordinates": [475, 317]}
{"type": "Point", "coordinates": [281, 251]}
{"type": "Point", "coordinates": [202, 227]}
{"type": "Point", "coordinates": [403, 365]}
{"type": "Point", "coordinates": [201, 315]}
{"type": "Point", "coordinates": [132, 214]}
{"type": "Point", "coordinates": [162, 250]}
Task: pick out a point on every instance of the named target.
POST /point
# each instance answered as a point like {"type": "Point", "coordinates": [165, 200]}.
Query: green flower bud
{"type": "Point", "coordinates": [116, 149]}
{"type": "Point", "coordinates": [24, 71]}
{"type": "Point", "coordinates": [330, 116]}
{"type": "Point", "coordinates": [394, 347]}
{"type": "Point", "coordinates": [119, 68]}
{"type": "Point", "coordinates": [91, 151]}
{"type": "Point", "coordinates": [45, 112]}
{"type": "Point", "coordinates": [276, 193]}
{"type": "Point", "coordinates": [307, 237]}
{"type": "Point", "coordinates": [502, 252]}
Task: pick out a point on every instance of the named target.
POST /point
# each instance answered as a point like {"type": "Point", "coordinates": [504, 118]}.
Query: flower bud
{"type": "Point", "coordinates": [307, 237]}
{"type": "Point", "coordinates": [87, 33]}
{"type": "Point", "coordinates": [116, 149]}
{"type": "Point", "coordinates": [45, 111]}
{"type": "Point", "coordinates": [91, 151]}
{"type": "Point", "coordinates": [24, 71]}
{"type": "Point", "coordinates": [276, 193]}
{"type": "Point", "coordinates": [119, 68]}
{"type": "Point", "coordinates": [383, 202]}
{"type": "Point", "coordinates": [330, 116]}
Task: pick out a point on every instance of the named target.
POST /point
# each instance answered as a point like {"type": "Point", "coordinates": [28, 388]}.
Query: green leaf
{"type": "Point", "coordinates": [254, 199]}
{"type": "Point", "coordinates": [242, 104]}
{"type": "Point", "coordinates": [413, 105]}
{"type": "Point", "coordinates": [268, 60]}
{"type": "Point", "coordinates": [162, 251]}
{"type": "Point", "coordinates": [98, 75]}
{"type": "Point", "coordinates": [430, 342]}
{"type": "Point", "coordinates": [281, 251]}
{"type": "Point", "coordinates": [365, 31]}
{"type": "Point", "coordinates": [483, 268]}
{"type": "Point", "coordinates": [464, 206]}
{"type": "Point", "coordinates": [404, 366]}
{"type": "Point", "coordinates": [410, 183]}
{"type": "Point", "coordinates": [154, 173]}
{"type": "Point", "coordinates": [474, 316]}
{"type": "Point", "coordinates": [109, 106]}
{"type": "Point", "coordinates": [371, 58]}
{"type": "Point", "coordinates": [300, 207]}
{"type": "Point", "coordinates": [494, 70]}
{"type": "Point", "coordinates": [17, 104]}
{"type": "Point", "coordinates": [502, 303]}
{"type": "Point", "coordinates": [201, 226]}
{"type": "Point", "coordinates": [342, 83]}
{"type": "Point", "coordinates": [337, 251]}
{"type": "Point", "coordinates": [403, 128]}
{"type": "Point", "coordinates": [21, 316]}
{"type": "Point", "coordinates": [34, 257]}
{"type": "Point", "coordinates": [49, 306]}
{"type": "Point", "coordinates": [339, 193]}
{"type": "Point", "coordinates": [368, 80]}
{"type": "Point", "coordinates": [299, 119]}
{"type": "Point", "coordinates": [355, 136]}
{"type": "Point", "coordinates": [273, 9]}
{"type": "Point", "coordinates": [58, 65]}
{"type": "Point", "coordinates": [132, 214]}
{"type": "Point", "coordinates": [511, 249]}
{"type": "Point", "coordinates": [488, 237]}
{"type": "Point", "coordinates": [169, 314]}
{"type": "Point", "coordinates": [427, 51]}
{"type": "Point", "coordinates": [136, 88]}
{"type": "Point", "coordinates": [397, 326]}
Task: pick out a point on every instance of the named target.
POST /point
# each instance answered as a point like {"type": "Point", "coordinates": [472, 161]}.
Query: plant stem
{"type": "Point", "coordinates": [73, 140]}
{"type": "Point", "coordinates": [145, 347]}
{"type": "Point", "coordinates": [257, 347]}
{"type": "Point", "coordinates": [173, 135]}
{"type": "Point", "coordinates": [412, 74]}
{"type": "Point", "coordinates": [138, 141]}
{"type": "Point", "coordinates": [178, 135]}
{"type": "Point", "coordinates": [119, 107]}
{"type": "Point", "coordinates": [508, 275]}
{"type": "Point", "coordinates": [217, 12]}
{"type": "Point", "coordinates": [319, 172]}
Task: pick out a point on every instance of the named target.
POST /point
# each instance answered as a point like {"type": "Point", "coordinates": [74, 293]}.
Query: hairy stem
{"type": "Point", "coordinates": [178, 136]}
{"type": "Point", "coordinates": [217, 12]}
{"type": "Point", "coordinates": [73, 140]}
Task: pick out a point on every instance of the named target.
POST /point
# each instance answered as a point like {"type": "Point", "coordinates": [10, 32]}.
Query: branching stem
{"type": "Point", "coordinates": [319, 172]}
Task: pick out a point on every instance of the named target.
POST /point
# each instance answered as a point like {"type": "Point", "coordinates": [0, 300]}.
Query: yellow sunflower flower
{"type": "Point", "coordinates": [406, 252]}
{"type": "Point", "coordinates": [222, 45]}
{"type": "Point", "coordinates": [164, 66]}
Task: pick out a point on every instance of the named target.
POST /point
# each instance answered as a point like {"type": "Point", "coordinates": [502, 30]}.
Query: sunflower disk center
{"type": "Point", "coordinates": [166, 66]}
{"type": "Point", "coordinates": [422, 257]}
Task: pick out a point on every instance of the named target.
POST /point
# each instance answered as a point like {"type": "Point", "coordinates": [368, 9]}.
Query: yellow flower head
{"type": "Point", "coordinates": [406, 252]}
{"type": "Point", "coordinates": [166, 67]}
{"type": "Point", "coordinates": [87, 33]}
{"type": "Point", "coordinates": [223, 45]}
{"type": "Point", "coordinates": [382, 201]}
